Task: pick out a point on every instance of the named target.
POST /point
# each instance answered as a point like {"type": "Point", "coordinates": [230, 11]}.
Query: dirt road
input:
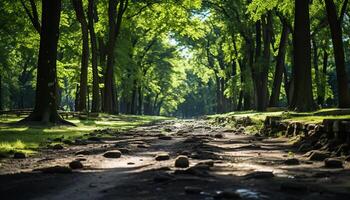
{"type": "Point", "coordinates": [222, 165]}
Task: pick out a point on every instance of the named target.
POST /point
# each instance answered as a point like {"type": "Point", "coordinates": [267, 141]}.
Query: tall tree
{"type": "Point", "coordinates": [45, 109]}
{"type": "Point", "coordinates": [338, 48]}
{"type": "Point", "coordinates": [115, 17]}
{"type": "Point", "coordinates": [92, 15]}
{"type": "Point", "coordinates": [277, 81]}
{"type": "Point", "coordinates": [80, 14]}
{"type": "Point", "coordinates": [302, 98]}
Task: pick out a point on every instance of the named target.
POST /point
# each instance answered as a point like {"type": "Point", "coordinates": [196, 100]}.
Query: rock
{"type": "Point", "coordinates": [333, 163]}
{"type": "Point", "coordinates": [162, 157]}
{"type": "Point", "coordinates": [318, 156]}
{"type": "Point", "coordinates": [193, 190]}
{"type": "Point", "coordinates": [292, 161]}
{"type": "Point", "coordinates": [130, 163]}
{"type": "Point", "coordinates": [182, 162]}
{"type": "Point", "coordinates": [19, 155]}
{"type": "Point", "coordinates": [76, 164]}
{"type": "Point", "coordinates": [165, 137]}
{"type": "Point", "coordinates": [112, 154]}
{"type": "Point", "coordinates": [55, 170]}
{"type": "Point", "coordinates": [219, 136]}
{"type": "Point", "coordinates": [259, 175]}
{"type": "Point", "coordinates": [58, 147]}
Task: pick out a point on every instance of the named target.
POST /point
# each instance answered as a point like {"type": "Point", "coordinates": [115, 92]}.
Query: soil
{"type": "Point", "coordinates": [223, 165]}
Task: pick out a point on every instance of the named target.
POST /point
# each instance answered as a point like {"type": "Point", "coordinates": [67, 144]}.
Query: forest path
{"type": "Point", "coordinates": [223, 165]}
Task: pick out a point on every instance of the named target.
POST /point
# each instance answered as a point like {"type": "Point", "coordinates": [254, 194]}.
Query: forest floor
{"type": "Point", "coordinates": [222, 165]}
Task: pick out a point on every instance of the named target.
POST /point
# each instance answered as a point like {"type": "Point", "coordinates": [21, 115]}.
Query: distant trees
{"type": "Point", "coordinates": [246, 55]}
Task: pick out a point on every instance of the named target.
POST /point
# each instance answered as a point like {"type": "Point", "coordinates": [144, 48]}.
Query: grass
{"type": "Point", "coordinates": [28, 139]}
{"type": "Point", "coordinates": [309, 117]}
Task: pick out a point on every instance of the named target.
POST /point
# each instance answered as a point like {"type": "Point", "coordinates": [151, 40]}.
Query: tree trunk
{"type": "Point", "coordinates": [261, 67]}
{"type": "Point", "coordinates": [277, 81]}
{"type": "Point", "coordinates": [338, 48]}
{"type": "Point", "coordinates": [218, 95]}
{"type": "Point", "coordinates": [323, 79]}
{"type": "Point", "coordinates": [140, 99]}
{"type": "Point", "coordinates": [1, 104]}
{"type": "Point", "coordinates": [133, 99]}
{"type": "Point", "coordinates": [95, 78]}
{"type": "Point", "coordinates": [302, 99]}
{"type": "Point", "coordinates": [110, 98]}
{"type": "Point", "coordinates": [45, 110]}
{"type": "Point", "coordinates": [317, 72]}
{"type": "Point", "coordinates": [79, 11]}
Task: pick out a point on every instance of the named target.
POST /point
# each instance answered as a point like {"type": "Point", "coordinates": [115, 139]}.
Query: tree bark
{"type": "Point", "coordinates": [302, 99]}
{"type": "Point", "coordinates": [277, 81]}
{"type": "Point", "coordinates": [323, 79]}
{"type": "Point", "coordinates": [338, 48]}
{"type": "Point", "coordinates": [95, 77]}
{"type": "Point", "coordinates": [45, 110]}
{"type": "Point", "coordinates": [114, 21]}
{"type": "Point", "coordinates": [1, 104]}
{"type": "Point", "coordinates": [110, 98]}
{"type": "Point", "coordinates": [79, 11]}
{"type": "Point", "coordinates": [316, 68]}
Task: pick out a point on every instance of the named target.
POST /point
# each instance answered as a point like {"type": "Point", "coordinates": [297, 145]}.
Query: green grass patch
{"type": "Point", "coordinates": [306, 117]}
{"type": "Point", "coordinates": [28, 139]}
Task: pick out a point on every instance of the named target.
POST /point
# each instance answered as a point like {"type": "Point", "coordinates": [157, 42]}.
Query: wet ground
{"type": "Point", "coordinates": [222, 165]}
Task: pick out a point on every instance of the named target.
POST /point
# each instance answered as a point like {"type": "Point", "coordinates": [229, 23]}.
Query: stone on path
{"type": "Point", "coordinates": [19, 155]}
{"type": "Point", "coordinates": [292, 161]}
{"type": "Point", "coordinates": [162, 157]}
{"type": "Point", "coordinates": [219, 136]}
{"type": "Point", "coordinates": [333, 163]}
{"type": "Point", "coordinates": [76, 164]}
{"type": "Point", "coordinates": [112, 154]}
{"type": "Point", "coordinates": [182, 162]}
